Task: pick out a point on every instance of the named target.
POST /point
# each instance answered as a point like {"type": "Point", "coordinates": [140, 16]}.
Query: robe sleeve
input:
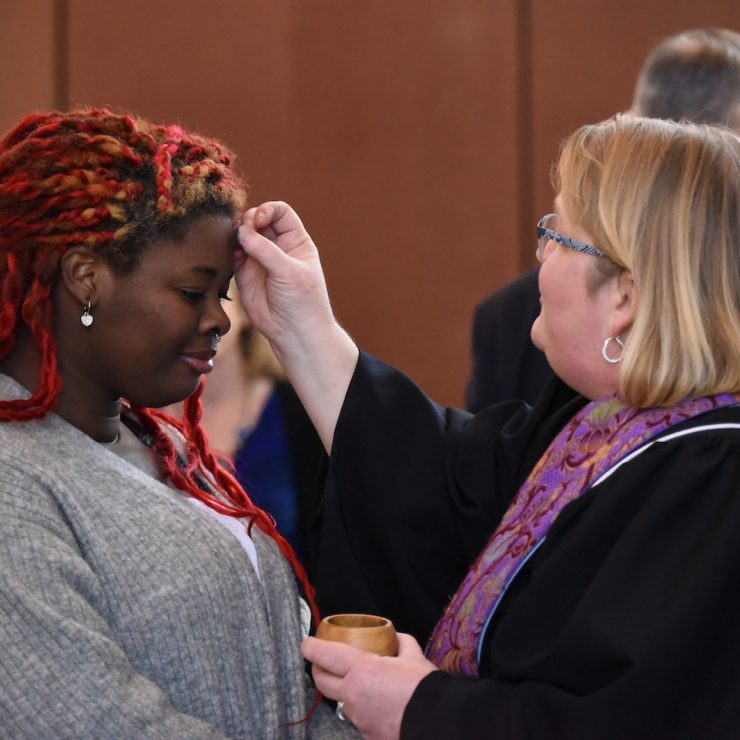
{"type": "Point", "coordinates": [413, 492]}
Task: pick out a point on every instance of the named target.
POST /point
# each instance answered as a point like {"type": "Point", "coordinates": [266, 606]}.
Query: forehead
{"type": "Point", "coordinates": [206, 250]}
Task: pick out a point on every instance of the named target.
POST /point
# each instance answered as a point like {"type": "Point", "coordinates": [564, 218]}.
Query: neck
{"type": "Point", "coordinates": [92, 413]}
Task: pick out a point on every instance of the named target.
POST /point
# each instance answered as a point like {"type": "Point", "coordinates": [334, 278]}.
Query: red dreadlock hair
{"type": "Point", "coordinates": [115, 183]}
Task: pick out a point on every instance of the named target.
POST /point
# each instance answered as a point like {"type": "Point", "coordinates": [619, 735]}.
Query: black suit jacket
{"type": "Point", "coordinates": [506, 365]}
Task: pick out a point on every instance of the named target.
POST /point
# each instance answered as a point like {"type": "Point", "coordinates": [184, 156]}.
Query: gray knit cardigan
{"type": "Point", "coordinates": [125, 612]}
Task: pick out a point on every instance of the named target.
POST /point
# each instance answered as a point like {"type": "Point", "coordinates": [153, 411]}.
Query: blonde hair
{"type": "Point", "coordinates": [662, 200]}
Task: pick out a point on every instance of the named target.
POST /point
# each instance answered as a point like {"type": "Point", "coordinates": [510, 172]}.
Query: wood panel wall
{"type": "Point", "coordinates": [414, 137]}
{"type": "Point", "coordinates": [28, 50]}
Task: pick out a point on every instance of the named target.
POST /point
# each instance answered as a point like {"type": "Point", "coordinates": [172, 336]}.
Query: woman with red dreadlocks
{"type": "Point", "coordinates": [142, 594]}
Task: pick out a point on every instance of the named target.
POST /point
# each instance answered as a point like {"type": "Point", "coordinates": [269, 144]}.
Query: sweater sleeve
{"type": "Point", "coordinates": [627, 623]}
{"type": "Point", "coordinates": [63, 675]}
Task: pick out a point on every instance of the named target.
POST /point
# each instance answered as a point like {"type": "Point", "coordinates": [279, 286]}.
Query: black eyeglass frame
{"type": "Point", "coordinates": [543, 233]}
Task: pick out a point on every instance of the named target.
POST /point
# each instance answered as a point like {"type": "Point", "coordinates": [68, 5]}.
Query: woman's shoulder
{"type": "Point", "coordinates": [702, 440]}
{"type": "Point", "coordinates": [695, 462]}
{"type": "Point", "coordinates": [708, 444]}
{"type": "Point", "coordinates": [34, 446]}
{"type": "Point", "coordinates": [725, 419]}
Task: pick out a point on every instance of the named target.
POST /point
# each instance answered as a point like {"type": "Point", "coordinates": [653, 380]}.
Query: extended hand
{"type": "Point", "coordinates": [283, 291]}
{"type": "Point", "coordinates": [282, 287]}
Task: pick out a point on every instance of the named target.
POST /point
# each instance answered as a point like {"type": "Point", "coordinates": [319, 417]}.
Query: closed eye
{"type": "Point", "coordinates": [193, 295]}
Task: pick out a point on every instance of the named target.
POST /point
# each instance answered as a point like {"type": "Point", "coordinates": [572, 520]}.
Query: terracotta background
{"type": "Point", "coordinates": [413, 137]}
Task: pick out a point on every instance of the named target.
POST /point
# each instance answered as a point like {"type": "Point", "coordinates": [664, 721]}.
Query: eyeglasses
{"type": "Point", "coordinates": [544, 235]}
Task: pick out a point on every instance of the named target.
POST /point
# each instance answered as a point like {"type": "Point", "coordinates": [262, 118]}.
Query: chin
{"type": "Point", "coordinates": [534, 335]}
{"type": "Point", "coordinates": [168, 398]}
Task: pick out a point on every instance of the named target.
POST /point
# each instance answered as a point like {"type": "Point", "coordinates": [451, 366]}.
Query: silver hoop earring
{"type": "Point", "coordinates": [86, 317]}
{"type": "Point", "coordinates": [612, 360]}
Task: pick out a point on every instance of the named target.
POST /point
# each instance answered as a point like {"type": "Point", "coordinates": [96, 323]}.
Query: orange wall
{"type": "Point", "coordinates": [414, 137]}
{"type": "Point", "coordinates": [27, 61]}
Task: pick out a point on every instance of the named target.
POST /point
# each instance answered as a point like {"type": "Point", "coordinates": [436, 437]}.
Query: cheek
{"type": "Point", "coordinates": [566, 313]}
{"type": "Point", "coordinates": [559, 278]}
{"type": "Point", "coordinates": [146, 341]}
{"type": "Point", "coordinates": [556, 294]}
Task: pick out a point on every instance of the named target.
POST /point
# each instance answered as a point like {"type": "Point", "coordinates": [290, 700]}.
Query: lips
{"type": "Point", "coordinates": [201, 362]}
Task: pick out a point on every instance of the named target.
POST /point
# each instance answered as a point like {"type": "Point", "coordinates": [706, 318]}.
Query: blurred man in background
{"type": "Point", "coordinates": [692, 76]}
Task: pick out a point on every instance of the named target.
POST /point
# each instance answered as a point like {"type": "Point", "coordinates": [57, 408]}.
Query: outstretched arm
{"type": "Point", "coordinates": [284, 292]}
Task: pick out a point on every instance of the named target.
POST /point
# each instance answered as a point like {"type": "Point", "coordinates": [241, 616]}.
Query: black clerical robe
{"type": "Point", "coordinates": [624, 624]}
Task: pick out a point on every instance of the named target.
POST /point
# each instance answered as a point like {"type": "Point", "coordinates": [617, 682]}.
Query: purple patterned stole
{"type": "Point", "coordinates": [595, 439]}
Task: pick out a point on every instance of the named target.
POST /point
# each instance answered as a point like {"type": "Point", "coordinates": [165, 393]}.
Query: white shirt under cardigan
{"type": "Point", "coordinates": [131, 448]}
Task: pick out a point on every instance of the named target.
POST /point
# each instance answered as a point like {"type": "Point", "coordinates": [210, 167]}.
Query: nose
{"type": "Point", "coordinates": [224, 324]}
{"type": "Point", "coordinates": [215, 320]}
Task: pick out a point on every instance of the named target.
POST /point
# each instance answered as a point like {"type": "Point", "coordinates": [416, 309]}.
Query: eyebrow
{"type": "Point", "coordinates": [205, 270]}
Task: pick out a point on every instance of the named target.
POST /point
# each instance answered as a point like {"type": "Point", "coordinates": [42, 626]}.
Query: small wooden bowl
{"type": "Point", "coordinates": [363, 631]}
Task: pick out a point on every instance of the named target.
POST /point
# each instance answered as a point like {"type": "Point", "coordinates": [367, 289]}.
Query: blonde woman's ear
{"type": "Point", "coordinates": [625, 304]}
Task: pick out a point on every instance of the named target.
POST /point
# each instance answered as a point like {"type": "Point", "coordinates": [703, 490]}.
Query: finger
{"type": "Point", "coordinates": [267, 213]}
{"type": "Point", "coordinates": [265, 251]}
{"type": "Point", "coordinates": [239, 259]}
{"type": "Point", "coordinates": [327, 683]}
{"type": "Point", "coordinates": [278, 216]}
{"type": "Point", "coordinates": [248, 217]}
{"type": "Point", "coordinates": [334, 657]}
{"type": "Point", "coordinates": [246, 229]}
{"type": "Point", "coordinates": [408, 647]}
{"type": "Point", "coordinates": [273, 213]}
{"type": "Point", "coordinates": [248, 221]}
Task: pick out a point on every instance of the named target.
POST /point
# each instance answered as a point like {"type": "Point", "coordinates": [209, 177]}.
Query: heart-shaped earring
{"type": "Point", "coordinates": [86, 317]}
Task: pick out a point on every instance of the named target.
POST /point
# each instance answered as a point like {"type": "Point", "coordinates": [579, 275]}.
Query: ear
{"type": "Point", "coordinates": [80, 267]}
{"type": "Point", "coordinates": [624, 304]}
